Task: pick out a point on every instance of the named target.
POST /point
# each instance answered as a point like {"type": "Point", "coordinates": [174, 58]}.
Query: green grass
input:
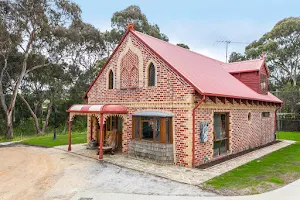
{"type": "Point", "coordinates": [288, 136]}
{"type": "Point", "coordinates": [47, 141]}
{"type": "Point", "coordinates": [267, 173]}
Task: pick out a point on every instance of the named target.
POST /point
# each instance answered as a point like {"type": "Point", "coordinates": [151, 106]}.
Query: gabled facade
{"type": "Point", "coordinates": [253, 73]}
{"type": "Point", "coordinates": [180, 105]}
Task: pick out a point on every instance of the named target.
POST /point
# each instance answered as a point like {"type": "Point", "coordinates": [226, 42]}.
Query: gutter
{"type": "Point", "coordinates": [194, 129]}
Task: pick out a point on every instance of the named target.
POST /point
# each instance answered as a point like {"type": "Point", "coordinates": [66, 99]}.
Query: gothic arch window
{"type": "Point", "coordinates": [111, 80]}
{"type": "Point", "coordinates": [151, 75]}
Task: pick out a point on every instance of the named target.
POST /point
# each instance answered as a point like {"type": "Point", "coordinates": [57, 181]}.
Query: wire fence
{"type": "Point", "coordinates": [288, 117]}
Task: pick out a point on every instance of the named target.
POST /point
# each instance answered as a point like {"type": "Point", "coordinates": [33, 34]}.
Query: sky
{"type": "Point", "coordinates": [200, 23]}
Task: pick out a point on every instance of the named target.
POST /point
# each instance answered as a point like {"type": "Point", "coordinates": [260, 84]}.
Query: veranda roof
{"type": "Point", "coordinates": [152, 114]}
{"type": "Point", "coordinates": [91, 108]}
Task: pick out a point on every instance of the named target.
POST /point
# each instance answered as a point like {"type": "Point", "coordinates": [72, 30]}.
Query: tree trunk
{"type": "Point", "coordinates": [294, 78]}
{"type": "Point", "coordinates": [36, 120]}
{"type": "Point", "coordinates": [9, 125]}
{"type": "Point", "coordinates": [49, 109]}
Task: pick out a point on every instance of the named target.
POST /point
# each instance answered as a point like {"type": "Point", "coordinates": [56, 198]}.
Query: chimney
{"type": "Point", "coordinates": [130, 27]}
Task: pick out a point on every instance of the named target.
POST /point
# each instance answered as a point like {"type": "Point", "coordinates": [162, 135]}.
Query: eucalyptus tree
{"type": "Point", "coordinates": [281, 48]}
{"type": "Point", "coordinates": [28, 26]}
{"type": "Point", "coordinates": [131, 14]}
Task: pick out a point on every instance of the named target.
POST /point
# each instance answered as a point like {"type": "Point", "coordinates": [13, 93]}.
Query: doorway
{"type": "Point", "coordinates": [114, 123]}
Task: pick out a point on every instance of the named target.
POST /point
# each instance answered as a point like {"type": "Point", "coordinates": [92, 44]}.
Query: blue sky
{"type": "Point", "coordinates": [200, 23]}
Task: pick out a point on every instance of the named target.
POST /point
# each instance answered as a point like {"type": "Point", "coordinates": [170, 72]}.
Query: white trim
{"type": "Point", "coordinates": [130, 46]}
{"type": "Point", "coordinates": [147, 72]}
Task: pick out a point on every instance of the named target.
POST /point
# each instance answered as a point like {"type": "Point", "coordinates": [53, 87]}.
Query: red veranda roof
{"type": "Point", "coordinates": [90, 108]}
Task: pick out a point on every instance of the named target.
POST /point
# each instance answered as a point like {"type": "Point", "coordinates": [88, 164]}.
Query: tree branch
{"type": "Point", "coordinates": [36, 67]}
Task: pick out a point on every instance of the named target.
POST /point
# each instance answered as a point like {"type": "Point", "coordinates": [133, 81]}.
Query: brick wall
{"type": "Point", "coordinates": [243, 134]}
{"type": "Point", "coordinates": [171, 94]}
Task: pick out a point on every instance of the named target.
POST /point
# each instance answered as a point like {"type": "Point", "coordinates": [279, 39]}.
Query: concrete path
{"type": "Point", "coordinates": [190, 176]}
{"type": "Point", "coordinates": [289, 192]}
{"type": "Point", "coordinates": [9, 143]}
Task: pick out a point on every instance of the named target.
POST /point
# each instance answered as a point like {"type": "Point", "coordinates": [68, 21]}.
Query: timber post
{"type": "Point", "coordinates": [70, 135]}
{"type": "Point", "coordinates": [101, 138]}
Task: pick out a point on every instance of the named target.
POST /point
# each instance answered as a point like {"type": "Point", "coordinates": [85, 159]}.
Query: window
{"type": "Point", "coordinates": [111, 80]}
{"type": "Point", "coordinates": [221, 132]}
{"type": "Point", "coordinates": [249, 116]}
{"type": "Point", "coordinates": [157, 129]}
{"type": "Point", "coordinates": [151, 75]}
{"type": "Point", "coordinates": [265, 114]}
{"type": "Point", "coordinates": [263, 82]}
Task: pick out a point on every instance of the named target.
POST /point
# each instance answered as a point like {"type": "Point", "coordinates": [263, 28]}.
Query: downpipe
{"type": "Point", "coordinates": [275, 121]}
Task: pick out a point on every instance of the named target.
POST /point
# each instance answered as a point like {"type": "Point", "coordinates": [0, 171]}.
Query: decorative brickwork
{"type": "Point", "coordinates": [173, 94]}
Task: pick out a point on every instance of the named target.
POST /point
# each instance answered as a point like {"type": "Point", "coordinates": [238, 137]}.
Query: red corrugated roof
{"type": "Point", "coordinates": [207, 75]}
{"type": "Point", "coordinates": [244, 66]}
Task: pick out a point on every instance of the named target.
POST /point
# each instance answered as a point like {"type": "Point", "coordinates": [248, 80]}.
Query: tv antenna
{"type": "Point", "coordinates": [227, 42]}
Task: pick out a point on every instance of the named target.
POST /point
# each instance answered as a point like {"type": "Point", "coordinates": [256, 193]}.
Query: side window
{"type": "Point", "coordinates": [111, 80]}
{"type": "Point", "coordinates": [151, 75]}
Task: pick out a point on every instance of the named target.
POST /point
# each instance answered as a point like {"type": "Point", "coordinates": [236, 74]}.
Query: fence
{"type": "Point", "coordinates": [288, 117]}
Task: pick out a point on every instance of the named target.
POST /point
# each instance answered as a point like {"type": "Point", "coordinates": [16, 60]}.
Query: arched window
{"type": "Point", "coordinates": [111, 80]}
{"type": "Point", "coordinates": [151, 75]}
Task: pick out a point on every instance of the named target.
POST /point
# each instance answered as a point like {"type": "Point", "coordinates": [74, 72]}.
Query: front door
{"type": "Point", "coordinates": [114, 123]}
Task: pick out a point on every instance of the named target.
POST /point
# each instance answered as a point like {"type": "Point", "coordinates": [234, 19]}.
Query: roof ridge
{"type": "Point", "coordinates": [215, 60]}
{"type": "Point", "coordinates": [252, 60]}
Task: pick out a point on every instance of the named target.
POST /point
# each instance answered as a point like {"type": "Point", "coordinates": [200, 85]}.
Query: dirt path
{"type": "Point", "coordinates": [47, 173]}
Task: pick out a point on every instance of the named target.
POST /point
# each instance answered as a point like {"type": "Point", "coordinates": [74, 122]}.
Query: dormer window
{"type": "Point", "coordinates": [263, 83]}
{"type": "Point", "coordinates": [111, 80]}
{"type": "Point", "coordinates": [151, 75]}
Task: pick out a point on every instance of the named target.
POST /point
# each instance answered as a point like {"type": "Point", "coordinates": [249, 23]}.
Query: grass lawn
{"type": "Point", "coordinates": [47, 141]}
{"type": "Point", "coordinates": [267, 173]}
{"type": "Point", "coordinates": [288, 136]}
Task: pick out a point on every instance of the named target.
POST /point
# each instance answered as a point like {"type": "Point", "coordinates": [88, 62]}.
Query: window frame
{"type": "Point", "coordinates": [151, 83]}
{"type": "Point", "coordinates": [164, 137]}
{"type": "Point", "coordinates": [220, 140]}
{"type": "Point", "coordinates": [110, 80]}
{"type": "Point", "coordinates": [263, 114]}
{"type": "Point", "coordinates": [263, 82]}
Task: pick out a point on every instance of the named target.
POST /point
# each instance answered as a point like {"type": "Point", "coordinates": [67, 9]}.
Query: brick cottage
{"type": "Point", "coordinates": [173, 105]}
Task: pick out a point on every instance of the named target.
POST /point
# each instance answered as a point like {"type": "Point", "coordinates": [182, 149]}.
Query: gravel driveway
{"type": "Point", "coordinates": [46, 173]}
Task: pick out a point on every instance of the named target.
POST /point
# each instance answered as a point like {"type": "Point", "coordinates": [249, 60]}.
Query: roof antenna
{"type": "Point", "coordinates": [227, 42]}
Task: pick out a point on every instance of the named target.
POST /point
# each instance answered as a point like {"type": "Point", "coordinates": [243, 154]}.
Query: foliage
{"type": "Point", "coordinates": [267, 173]}
{"type": "Point", "coordinates": [183, 45]}
{"type": "Point", "coordinates": [290, 95]}
{"type": "Point", "coordinates": [133, 14]}
{"type": "Point", "coordinates": [281, 47]}
{"type": "Point", "coordinates": [27, 28]}
{"type": "Point", "coordinates": [51, 57]}
{"type": "Point", "coordinates": [47, 141]}
{"type": "Point", "coordinates": [236, 57]}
